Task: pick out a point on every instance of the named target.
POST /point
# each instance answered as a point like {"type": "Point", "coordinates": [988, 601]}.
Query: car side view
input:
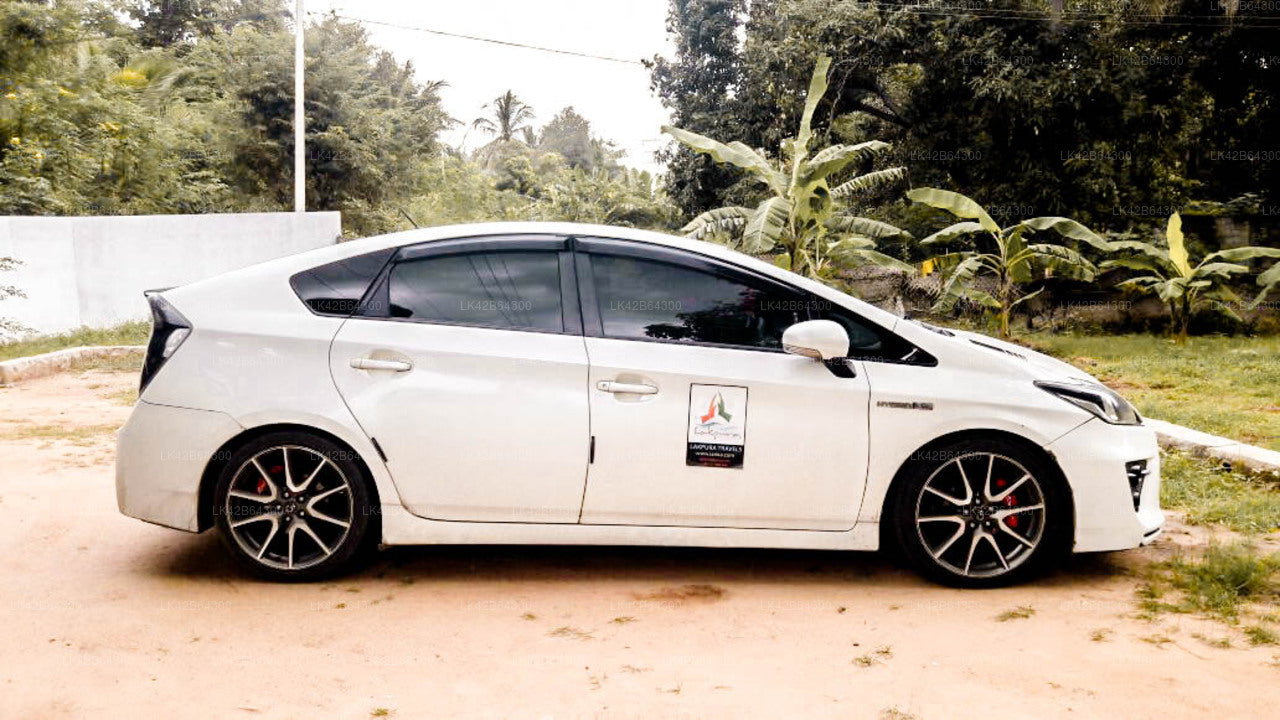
{"type": "Point", "coordinates": [549, 383]}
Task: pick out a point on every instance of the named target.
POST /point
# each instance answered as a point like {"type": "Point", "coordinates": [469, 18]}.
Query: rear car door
{"type": "Point", "coordinates": [466, 365]}
{"type": "Point", "coordinates": [699, 417]}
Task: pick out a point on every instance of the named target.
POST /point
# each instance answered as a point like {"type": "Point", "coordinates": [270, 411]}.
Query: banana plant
{"type": "Point", "coordinates": [1008, 257]}
{"type": "Point", "coordinates": [804, 223]}
{"type": "Point", "coordinates": [1185, 287]}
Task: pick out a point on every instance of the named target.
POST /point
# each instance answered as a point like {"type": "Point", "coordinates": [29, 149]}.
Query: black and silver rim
{"type": "Point", "coordinates": [289, 507]}
{"type": "Point", "coordinates": [980, 515]}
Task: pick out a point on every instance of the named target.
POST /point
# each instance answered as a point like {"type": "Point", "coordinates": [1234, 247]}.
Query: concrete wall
{"type": "Point", "coordinates": [92, 270]}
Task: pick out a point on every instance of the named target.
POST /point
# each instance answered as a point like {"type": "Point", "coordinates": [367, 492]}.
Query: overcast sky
{"type": "Point", "coordinates": [615, 97]}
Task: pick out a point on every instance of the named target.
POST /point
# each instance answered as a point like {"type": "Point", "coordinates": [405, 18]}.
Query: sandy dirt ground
{"type": "Point", "coordinates": [104, 616]}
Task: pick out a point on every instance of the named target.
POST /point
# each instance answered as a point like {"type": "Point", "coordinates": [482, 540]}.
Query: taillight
{"type": "Point", "coordinates": [168, 330]}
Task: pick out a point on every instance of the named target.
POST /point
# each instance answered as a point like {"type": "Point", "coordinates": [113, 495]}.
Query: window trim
{"type": "Point", "coordinates": [378, 294]}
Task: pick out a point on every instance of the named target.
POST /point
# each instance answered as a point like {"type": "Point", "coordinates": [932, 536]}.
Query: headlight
{"type": "Point", "coordinates": [1097, 399]}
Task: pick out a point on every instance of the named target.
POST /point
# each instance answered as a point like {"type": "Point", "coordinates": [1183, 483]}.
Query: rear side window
{"type": "Point", "coordinates": [650, 300]}
{"type": "Point", "coordinates": [518, 290]}
{"type": "Point", "coordinates": [336, 288]}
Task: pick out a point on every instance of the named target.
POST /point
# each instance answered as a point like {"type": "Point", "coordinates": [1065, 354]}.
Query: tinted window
{"type": "Point", "coordinates": [644, 299]}
{"type": "Point", "coordinates": [336, 288]}
{"type": "Point", "coordinates": [518, 290]}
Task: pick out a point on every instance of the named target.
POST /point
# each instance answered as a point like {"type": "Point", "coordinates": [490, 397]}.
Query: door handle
{"type": "Point", "coordinates": [627, 388]}
{"type": "Point", "coordinates": [372, 364]}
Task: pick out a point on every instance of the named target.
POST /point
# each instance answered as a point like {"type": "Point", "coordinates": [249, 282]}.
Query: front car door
{"type": "Point", "coordinates": [699, 418]}
{"type": "Point", "coordinates": [466, 364]}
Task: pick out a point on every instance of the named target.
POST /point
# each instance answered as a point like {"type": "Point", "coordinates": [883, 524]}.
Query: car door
{"type": "Point", "coordinates": [699, 417]}
{"type": "Point", "coordinates": [466, 365]}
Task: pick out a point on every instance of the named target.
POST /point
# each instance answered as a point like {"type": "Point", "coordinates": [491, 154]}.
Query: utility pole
{"type": "Point", "coordinates": [299, 112]}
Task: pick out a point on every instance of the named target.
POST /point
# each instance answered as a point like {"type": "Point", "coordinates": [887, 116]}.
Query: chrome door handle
{"type": "Point", "coordinates": [372, 364]}
{"type": "Point", "coordinates": [628, 388]}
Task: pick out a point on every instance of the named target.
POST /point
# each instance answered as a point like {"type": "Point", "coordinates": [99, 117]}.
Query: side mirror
{"type": "Point", "coordinates": [817, 339]}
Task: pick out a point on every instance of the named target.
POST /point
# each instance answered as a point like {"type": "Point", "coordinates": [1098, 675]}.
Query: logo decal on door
{"type": "Point", "coordinates": [717, 426]}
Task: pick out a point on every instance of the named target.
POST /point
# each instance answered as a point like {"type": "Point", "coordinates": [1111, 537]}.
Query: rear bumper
{"type": "Point", "coordinates": [1093, 457]}
{"type": "Point", "coordinates": [161, 454]}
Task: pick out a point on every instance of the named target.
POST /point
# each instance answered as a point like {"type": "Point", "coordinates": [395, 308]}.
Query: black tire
{"type": "Point", "coordinates": [975, 544]}
{"type": "Point", "coordinates": [299, 487]}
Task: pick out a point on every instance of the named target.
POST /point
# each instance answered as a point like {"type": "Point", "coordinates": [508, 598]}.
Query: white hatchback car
{"type": "Point", "coordinates": [573, 384]}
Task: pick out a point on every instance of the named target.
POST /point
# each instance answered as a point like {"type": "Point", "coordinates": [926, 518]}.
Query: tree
{"type": "Point", "coordinates": [1181, 285]}
{"type": "Point", "coordinates": [569, 134]}
{"type": "Point", "coordinates": [699, 87]}
{"type": "Point", "coordinates": [509, 115]}
{"type": "Point", "coordinates": [1011, 262]}
{"type": "Point", "coordinates": [802, 217]}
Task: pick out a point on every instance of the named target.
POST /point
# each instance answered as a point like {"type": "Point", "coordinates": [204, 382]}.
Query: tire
{"type": "Point", "coordinates": [979, 537]}
{"type": "Point", "coordinates": [295, 507]}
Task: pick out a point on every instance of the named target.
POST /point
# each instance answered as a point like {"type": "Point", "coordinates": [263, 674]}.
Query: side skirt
{"type": "Point", "coordinates": [400, 527]}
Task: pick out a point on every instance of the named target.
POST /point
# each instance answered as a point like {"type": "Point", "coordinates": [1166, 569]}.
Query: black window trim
{"type": "Point", "coordinates": [378, 295]}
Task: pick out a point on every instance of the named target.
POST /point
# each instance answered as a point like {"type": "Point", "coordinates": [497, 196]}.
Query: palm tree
{"type": "Point", "coordinates": [510, 115]}
{"type": "Point", "coordinates": [1183, 286]}
{"type": "Point", "coordinates": [1011, 262]}
{"type": "Point", "coordinates": [803, 217]}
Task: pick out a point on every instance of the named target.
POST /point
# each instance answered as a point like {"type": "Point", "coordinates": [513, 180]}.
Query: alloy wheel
{"type": "Point", "coordinates": [980, 515]}
{"type": "Point", "coordinates": [289, 507]}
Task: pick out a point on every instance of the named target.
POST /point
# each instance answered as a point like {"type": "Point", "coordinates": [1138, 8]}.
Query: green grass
{"type": "Point", "coordinates": [1219, 583]}
{"type": "Point", "coordinates": [130, 333]}
{"type": "Point", "coordinates": [1221, 385]}
{"type": "Point", "coordinates": [1209, 493]}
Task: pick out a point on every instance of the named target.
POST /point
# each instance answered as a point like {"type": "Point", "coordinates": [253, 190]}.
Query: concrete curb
{"type": "Point", "coordinates": [1245, 458]}
{"type": "Point", "coordinates": [29, 368]}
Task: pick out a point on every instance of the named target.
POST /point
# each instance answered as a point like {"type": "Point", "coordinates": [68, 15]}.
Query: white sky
{"type": "Point", "coordinates": [615, 97]}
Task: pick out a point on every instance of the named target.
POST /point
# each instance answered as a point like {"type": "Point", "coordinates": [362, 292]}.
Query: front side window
{"type": "Point", "coordinates": [650, 300]}
{"type": "Point", "coordinates": [517, 290]}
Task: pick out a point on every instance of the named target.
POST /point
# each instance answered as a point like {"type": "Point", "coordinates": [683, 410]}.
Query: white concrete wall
{"type": "Point", "coordinates": [92, 270]}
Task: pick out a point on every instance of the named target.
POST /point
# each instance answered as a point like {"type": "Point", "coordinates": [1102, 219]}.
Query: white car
{"type": "Point", "coordinates": [555, 383]}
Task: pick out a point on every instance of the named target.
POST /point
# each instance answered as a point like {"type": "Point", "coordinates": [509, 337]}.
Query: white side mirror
{"type": "Point", "coordinates": [817, 339]}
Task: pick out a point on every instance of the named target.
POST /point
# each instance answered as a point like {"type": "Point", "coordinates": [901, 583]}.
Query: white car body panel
{"type": "Point", "coordinates": [257, 357]}
{"type": "Point", "coordinates": [492, 424]}
{"type": "Point", "coordinates": [806, 440]}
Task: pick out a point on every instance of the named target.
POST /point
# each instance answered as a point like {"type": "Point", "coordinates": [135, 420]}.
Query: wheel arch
{"type": "Point", "coordinates": [899, 477]}
{"type": "Point", "coordinates": [209, 478]}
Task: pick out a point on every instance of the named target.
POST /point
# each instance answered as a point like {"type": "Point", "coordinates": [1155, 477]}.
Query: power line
{"type": "Point", "coordinates": [477, 38]}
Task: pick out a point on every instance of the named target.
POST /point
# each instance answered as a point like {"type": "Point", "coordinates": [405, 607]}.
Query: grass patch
{"type": "Point", "coordinates": [1220, 583]}
{"type": "Point", "coordinates": [1210, 493]}
{"type": "Point", "coordinates": [130, 333]}
{"type": "Point", "coordinates": [1022, 612]}
{"type": "Point", "coordinates": [1100, 635]}
{"type": "Point", "coordinates": [78, 434]}
{"type": "Point", "coordinates": [1220, 385]}
{"type": "Point", "coordinates": [1260, 635]}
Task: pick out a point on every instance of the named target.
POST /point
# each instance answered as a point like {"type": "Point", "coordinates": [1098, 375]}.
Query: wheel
{"type": "Point", "coordinates": [294, 506]}
{"type": "Point", "coordinates": [981, 513]}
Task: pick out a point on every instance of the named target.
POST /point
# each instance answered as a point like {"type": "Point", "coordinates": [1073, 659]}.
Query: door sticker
{"type": "Point", "coordinates": [717, 426]}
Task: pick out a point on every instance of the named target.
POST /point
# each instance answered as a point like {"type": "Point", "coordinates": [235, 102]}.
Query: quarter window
{"type": "Point", "coordinates": [517, 290]}
{"type": "Point", "coordinates": [649, 300]}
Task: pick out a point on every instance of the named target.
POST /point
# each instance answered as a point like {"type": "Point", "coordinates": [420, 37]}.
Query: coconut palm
{"type": "Point", "coordinates": [1183, 286]}
{"type": "Point", "coordinates": [804, 222]}
{"type": "Point", "coordinates": [1008, 258]}
{"type": "Point", "coordinates": [509, 116]}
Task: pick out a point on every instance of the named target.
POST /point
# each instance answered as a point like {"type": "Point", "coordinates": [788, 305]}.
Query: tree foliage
{"type": "Point", "coordinates": [802, 221]}
{"type": "Point", "coordinates": [189, 109]}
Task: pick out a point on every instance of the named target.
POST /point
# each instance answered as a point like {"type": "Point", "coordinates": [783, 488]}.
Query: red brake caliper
{"type": "Point", "coordinates": [1011, 501]}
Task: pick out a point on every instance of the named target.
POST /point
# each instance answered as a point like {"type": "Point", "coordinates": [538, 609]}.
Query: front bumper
{"type": "Point", "coordinates": [1093, 457]}
{"type": "Point", "coordinates": [161, 454]}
